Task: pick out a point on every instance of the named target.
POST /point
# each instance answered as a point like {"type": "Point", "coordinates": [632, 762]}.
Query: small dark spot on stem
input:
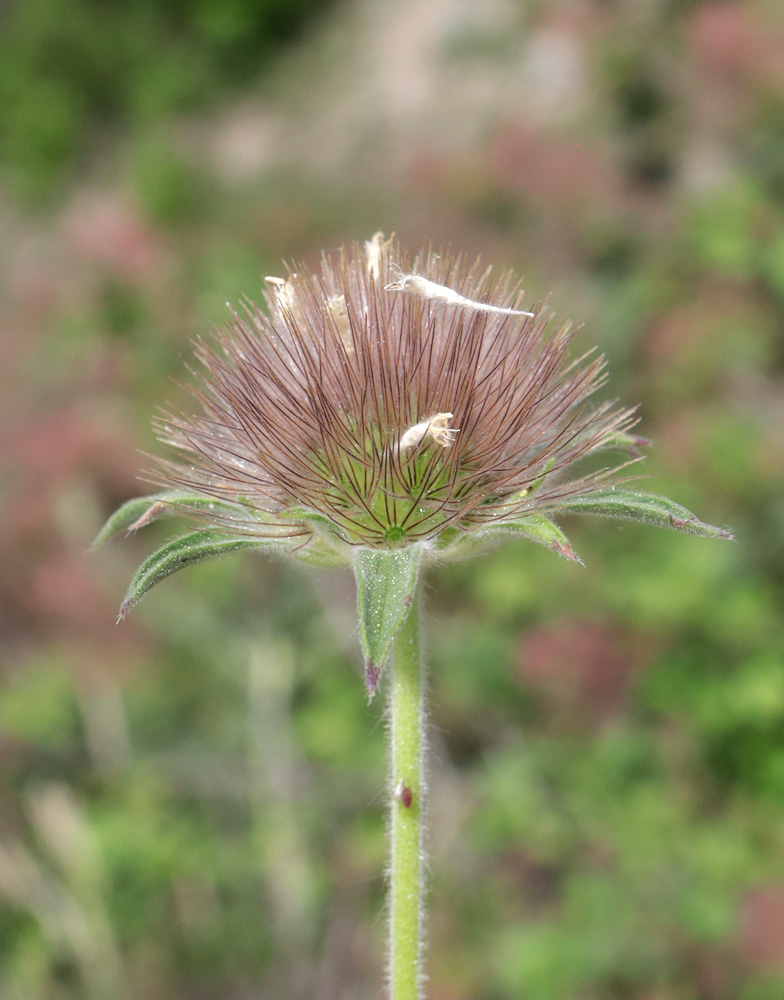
{"type": "Point", "coordinates": [404, 795]}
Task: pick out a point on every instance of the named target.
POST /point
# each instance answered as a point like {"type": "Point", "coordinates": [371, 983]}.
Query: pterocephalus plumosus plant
{"type": "Point", "coordinates": [384, 413]}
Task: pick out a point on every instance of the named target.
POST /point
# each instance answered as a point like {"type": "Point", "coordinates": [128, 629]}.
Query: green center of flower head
{"type": "Point", "coordinates": [389, 488]}
{"type": "Point", "coordinates": [385, 401]}
{"type": "Point", "coordinates": [395, 534]}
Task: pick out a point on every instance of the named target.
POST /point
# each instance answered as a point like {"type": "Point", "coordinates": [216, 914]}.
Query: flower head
{"type": "Point", "coordinates": [382, 410]}
{"type": "Point", "coordinates": [389, 411]}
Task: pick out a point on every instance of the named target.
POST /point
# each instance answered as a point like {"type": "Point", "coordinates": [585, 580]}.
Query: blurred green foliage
{"type": "Point", "coordinates": [193, 801]}
{"type": "Point", "coordinates": [71, 69]}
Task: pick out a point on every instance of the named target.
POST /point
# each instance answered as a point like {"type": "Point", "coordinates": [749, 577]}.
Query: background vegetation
{"type": "Point", "coordinates": [192, 802]}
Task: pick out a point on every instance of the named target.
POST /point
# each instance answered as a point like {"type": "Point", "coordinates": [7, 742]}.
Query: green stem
{"type": "Point", "coordinates": [407, 790]}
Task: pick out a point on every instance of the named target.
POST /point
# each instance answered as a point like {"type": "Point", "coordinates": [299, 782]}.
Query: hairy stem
{"type": "Point", "coordinates": [407, 790]}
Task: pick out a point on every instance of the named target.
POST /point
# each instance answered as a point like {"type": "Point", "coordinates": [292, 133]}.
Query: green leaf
{"type": "Point", "coordinates": [141, 511]}
{"type": "Point", "coordinates": [534, 527]}
{"type": "Point", "coordinates": [537, 528]}
{"type": "Point", "coordinates": [386, 586]}
{"type": "Point", "coordinates": [184, 551]}
{"type": "Point", "coordinates": [320, 523]}
{"type": "Point", "coordinates": [125, 517]}
{"type": "Point", "coordinates": [641, 507]}
{"type": "Point", "coordinates": [327, 546]}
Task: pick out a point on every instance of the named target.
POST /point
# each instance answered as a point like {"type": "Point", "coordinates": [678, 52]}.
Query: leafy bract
{"type": "Point", "coordinates": [646, 507]}
{"type": "Point", "coordinates": [386, 586]}
{"type": "Point", "coordinates": [141, 511]}
{"type": "Point", "coordinates": [534, 527]}
{"type": "Point", "coordinates": [184, 551]}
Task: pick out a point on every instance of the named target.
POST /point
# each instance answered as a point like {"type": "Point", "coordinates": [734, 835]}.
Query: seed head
{"type": "Point", "coordinates": [357, 407]}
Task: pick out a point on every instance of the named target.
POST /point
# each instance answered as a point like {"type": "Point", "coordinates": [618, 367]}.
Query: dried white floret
{"type": "Point", "coordinates": [436, 428]}
{"type": "Point", "coordinates": [376, 249]}
{"type": "Point", "coordinates": [415, 284]}
{"type": "Point", "coordinates": [338, 310]}
{"type": "Point", "coordinates": [284, 294]}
